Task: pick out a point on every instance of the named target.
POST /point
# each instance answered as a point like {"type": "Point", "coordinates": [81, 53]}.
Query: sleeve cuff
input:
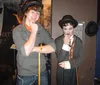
{"type": "Point", "coordinates": [67, 65]}
{"type": "Point", "coordinates": [66, 47]}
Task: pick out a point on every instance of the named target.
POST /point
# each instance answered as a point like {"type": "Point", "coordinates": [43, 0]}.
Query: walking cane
{"type": "Point", "coordinates": [39, 65]}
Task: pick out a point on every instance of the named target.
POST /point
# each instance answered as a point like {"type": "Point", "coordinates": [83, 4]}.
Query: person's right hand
{"type": "Point", "coordinates": [33, 26]}
{"type": "Point", "coordinates": [66, 39]}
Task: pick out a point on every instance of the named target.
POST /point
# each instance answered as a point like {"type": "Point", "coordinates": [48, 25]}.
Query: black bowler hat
{"type": "Point", "coordinates": [91, 28]}
{"type": "Point", "coordinates": [68, 19]}
{"type": "Point", "coordinates": [29, 3]}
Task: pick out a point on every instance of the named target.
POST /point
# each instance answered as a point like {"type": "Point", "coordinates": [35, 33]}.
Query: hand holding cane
{"type": "Point", "coordinates": [39, 65]}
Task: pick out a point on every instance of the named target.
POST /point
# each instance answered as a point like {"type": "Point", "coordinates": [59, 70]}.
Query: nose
{"type": "Point", "coordinates": [35, 14]}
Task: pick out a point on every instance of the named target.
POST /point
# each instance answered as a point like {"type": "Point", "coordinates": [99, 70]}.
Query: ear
{"type": "Point", "coordinates": [25, 13]}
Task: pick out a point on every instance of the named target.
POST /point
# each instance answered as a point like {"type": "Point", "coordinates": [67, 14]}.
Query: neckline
{"type": "Point", "coordinates": [28, 27]}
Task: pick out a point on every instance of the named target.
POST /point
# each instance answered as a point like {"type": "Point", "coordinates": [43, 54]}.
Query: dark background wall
{"type": "Point", "coordinates": [97, 60]}
{"type": "Point", "coordinates": [98, 11]}
{"type": "Point", "coordinates": [82, 10]}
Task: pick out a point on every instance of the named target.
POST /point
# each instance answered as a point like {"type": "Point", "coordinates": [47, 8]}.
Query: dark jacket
{"type": "Point", "coordinates": [66, 76]}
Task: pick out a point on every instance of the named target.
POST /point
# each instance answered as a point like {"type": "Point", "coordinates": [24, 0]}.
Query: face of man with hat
{"type": "Point", "coordinates": [31, 9]}
{"type": "Point", "coordinates": [68, 23]}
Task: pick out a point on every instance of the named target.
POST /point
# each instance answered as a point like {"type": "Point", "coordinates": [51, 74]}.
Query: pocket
{"type": "Point", "coordinates": [26, 80]}
{"type": "Point", "coordinates": [20, 80]}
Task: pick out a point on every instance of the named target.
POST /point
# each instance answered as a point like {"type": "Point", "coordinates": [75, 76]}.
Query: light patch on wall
{"type": "Point", "coordinates": [79, 31]}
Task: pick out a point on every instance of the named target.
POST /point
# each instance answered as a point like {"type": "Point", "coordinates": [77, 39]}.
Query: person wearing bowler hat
{"type": "Point", "coordinates": [27, 37]}
{"type": "Point", "coordinates": [69, 52]}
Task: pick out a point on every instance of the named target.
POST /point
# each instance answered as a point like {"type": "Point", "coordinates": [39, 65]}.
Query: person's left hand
{"type": "Point", "coordinates": [65, 64]}
{"type": "Point", "coordinates": [62, 64]}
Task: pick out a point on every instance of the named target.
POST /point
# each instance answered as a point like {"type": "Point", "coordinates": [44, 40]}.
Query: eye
{"type": "Point", "coordinates": [64, 29]}
{"type": "Point", "coordinates": [32, 12]}
{"type": "Point", "coordinates": [70, 28]}
{"type": "Point", "coordinates": [38, 13]}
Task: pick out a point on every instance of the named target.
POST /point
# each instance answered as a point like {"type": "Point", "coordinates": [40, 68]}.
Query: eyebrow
{"type": "Point", "coordinates": [67, 28]}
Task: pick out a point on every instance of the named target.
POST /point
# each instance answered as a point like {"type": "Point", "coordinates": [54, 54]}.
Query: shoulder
{"type": "Point", "coordinates": [78, 39]}
{"type": "Point", "coordinates": [17, 28]}
{"type": "Point", "coordinates": [40, 27]}
{"type": "Point", "coordinates": [59, 39]}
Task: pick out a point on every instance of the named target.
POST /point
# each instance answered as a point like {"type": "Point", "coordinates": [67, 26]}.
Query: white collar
{"type": "Point", "coordinates": [72, 37]}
